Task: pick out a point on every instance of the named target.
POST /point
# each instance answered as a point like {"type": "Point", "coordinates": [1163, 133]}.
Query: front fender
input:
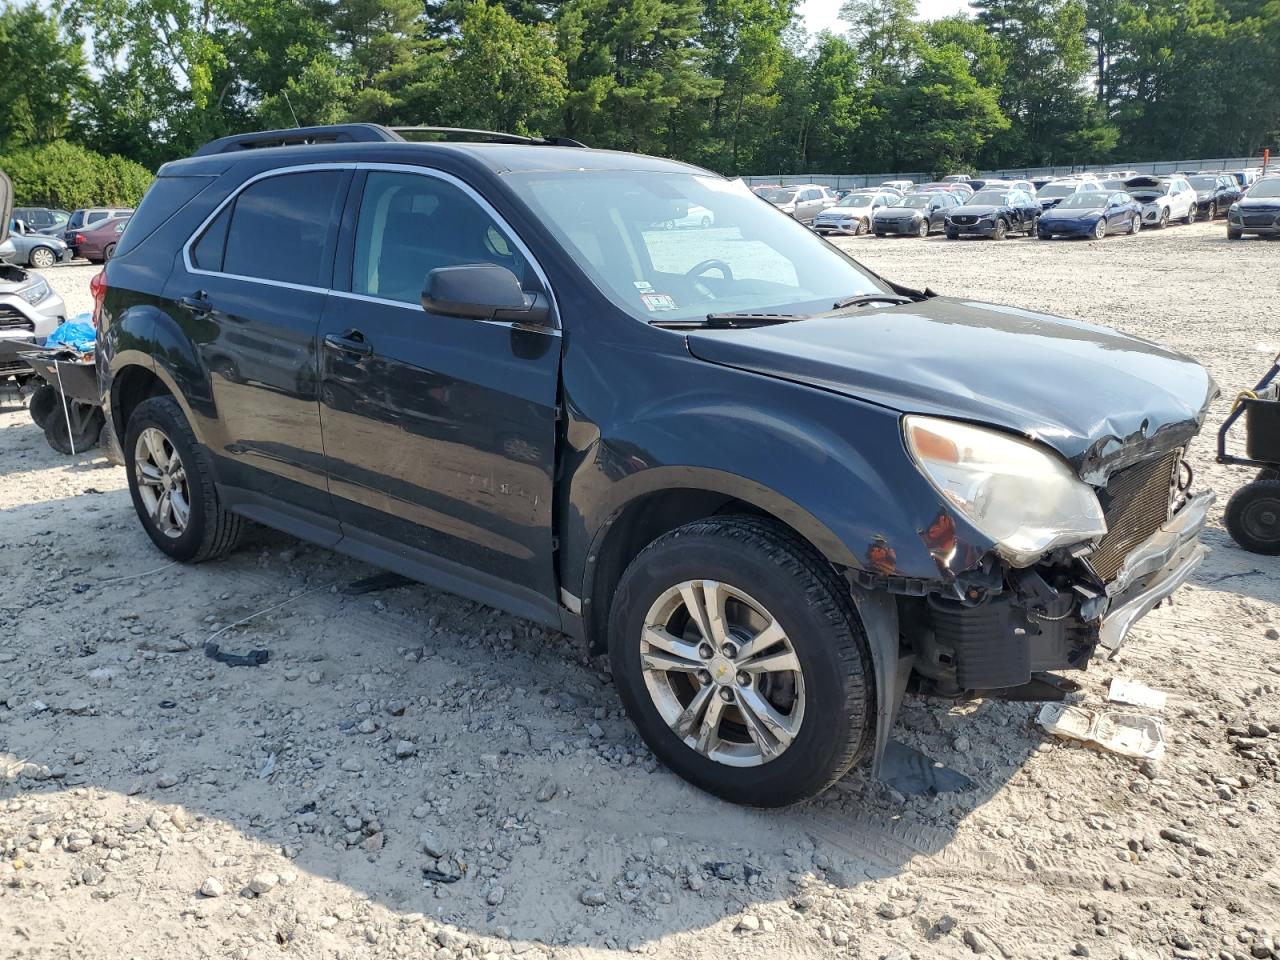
{"type": "Point", "coordinates": [833, 468]}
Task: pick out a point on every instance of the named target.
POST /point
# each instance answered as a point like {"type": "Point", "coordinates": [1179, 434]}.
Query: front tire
{"type": "Point", "coordinates": [1192, 210]}
{"type": "Point", "coordinates": [1100, 228]}
{"type": "Point", "coordinates": [1213, 212]}
{"type": "Point", "coordinates": [1001, 231]}
{"type": "Point", "coordinates": [741, 659]}
{"type": "Point", "coordinates": [1164, 218]}
{"type": "Point", "coordinates": [922, 231]}
{"type": "Point", "coordinates": [1233, 234]}
{"type": "Point", "coordinates": [42, 258]}
{"type": "Point", "coordinates": [171, 483]}
{"type": "Point", "coordinates": [1253, 517]}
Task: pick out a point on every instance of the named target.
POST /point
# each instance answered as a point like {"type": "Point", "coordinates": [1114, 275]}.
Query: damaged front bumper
{"type": "Point", "coordinates": [1154, 569]}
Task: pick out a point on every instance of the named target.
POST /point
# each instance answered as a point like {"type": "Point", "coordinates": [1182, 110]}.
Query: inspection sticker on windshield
{"type": "Point", "coordinates": [656, 302]}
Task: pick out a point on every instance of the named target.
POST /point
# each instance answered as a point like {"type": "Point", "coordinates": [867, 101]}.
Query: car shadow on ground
{"type": "Point", "coordinates": [383, 717]}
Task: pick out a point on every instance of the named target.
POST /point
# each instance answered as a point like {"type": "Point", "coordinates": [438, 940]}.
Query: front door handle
{"type": "Point", "coordinates": [197, 303]}
{"type": "Point", "coordinates": [352, 342]}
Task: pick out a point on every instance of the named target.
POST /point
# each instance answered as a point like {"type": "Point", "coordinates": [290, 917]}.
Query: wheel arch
{"type": "Point", "coordinates": [661, 499]}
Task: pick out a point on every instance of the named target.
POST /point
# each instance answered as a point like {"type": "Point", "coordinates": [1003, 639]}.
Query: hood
{"type": "Point", "coordinates": [1259, 203]}
{"type": "Point", "coordinates": [898, 212]}
{"type": "Point", "coordinates": [839, 211]}
{"type": "Point", "coordinates": [975, 209]}
{"type": "Point", "coordinates": [1071, 213]}
{"type": "Point", "coordinates": [1103, 400]}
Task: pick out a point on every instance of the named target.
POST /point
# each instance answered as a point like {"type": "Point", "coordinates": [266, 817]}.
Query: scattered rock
{"type": "Point", "coordinates": [212, 887]}
{"type": "Point", "coordinates": [748, 923]}
{"type": "Point", "coordinates": [593, 897]}
{"type": "Point", "coordinates": [405, 749]}
{"type": "Point", "coordinates": [263, 882]}
{"type": "Point", "coordinates": [495, 896]}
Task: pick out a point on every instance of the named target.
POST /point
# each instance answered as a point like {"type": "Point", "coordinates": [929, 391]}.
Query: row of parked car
{"type": "Point", "coordinates": [1082, 205]}
{"type": "Point", "coordinates": [44, 236]}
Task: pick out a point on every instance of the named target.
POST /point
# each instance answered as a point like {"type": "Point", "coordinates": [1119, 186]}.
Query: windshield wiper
{"type": "Point", "coordinates": [726, 321]}
{"type": "Point", "coordinates": [862, 299]}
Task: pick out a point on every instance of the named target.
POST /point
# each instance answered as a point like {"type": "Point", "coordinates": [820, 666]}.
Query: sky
{"type": "Point", "coordinates": [825, 14]}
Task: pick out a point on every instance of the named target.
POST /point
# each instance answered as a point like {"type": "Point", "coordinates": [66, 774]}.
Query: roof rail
{"type": "Point", "coordinates": [335, 133]}
{"type": "Point", "coordinates": [495, 136]}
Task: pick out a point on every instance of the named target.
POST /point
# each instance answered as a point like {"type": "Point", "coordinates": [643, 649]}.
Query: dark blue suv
{"type": "Point", "coordinates": [774, 487]}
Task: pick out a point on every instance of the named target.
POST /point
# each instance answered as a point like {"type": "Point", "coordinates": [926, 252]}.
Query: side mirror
{"type": "Point", "coordinates": [482, 291]}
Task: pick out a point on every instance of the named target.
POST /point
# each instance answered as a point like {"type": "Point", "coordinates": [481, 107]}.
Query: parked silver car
{"type": "Point", "coordinates": [29, 309]}
{"type": "Point", "coordinates": [32, 249]}
{"type": "Point", "coordinates": [804, 202]}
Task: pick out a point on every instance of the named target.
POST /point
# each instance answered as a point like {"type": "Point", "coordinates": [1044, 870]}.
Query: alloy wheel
{"type": "Point", "coordinates": [1100, 229]}
{"type": "Point", "coordinates": [162, 482]}
{"type": "Point", "coordinates": [42, 258]}
{"type": "Point", "coordinates": [1213, 212]}
{"type": "Point", "coordinates": [722, 673]}
{"type": "Point", "coordinates": [1135, 223]}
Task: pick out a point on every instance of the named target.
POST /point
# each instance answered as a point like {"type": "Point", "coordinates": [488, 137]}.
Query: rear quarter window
{"type": "Point", "coordinates": [166, 196]}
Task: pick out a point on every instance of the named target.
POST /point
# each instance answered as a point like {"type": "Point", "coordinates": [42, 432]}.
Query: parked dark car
{"type": "Point", "coordinates": [1257, 212]}
{"type": "Point", "coordinates": [42, 219]}
{"type": "Point", "coordinates": [916, 214]}
{"type": "Point", "coordinates": [97, 244]}
{"type": "Point", "coordinates": [771, 484]}
{"type": "Point", "coordinates": [1093, 214]}
{"type": "Point", "coordinates": [1215, 193]}
{"type": "Point", "coordinates": [87, 217]}
{"type": "Point", "coordinates": [1054, 192]}
{"type": "Point", "coordinates": [994, 213]}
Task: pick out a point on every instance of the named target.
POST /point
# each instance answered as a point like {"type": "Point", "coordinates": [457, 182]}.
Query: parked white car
{"type": "Point", "coordinates": [698, 216]}
{"type": "Point", "coordinates": [901, 186]}
{"type": "Point", "coordinates": [1164, 199]}
{"type": "Point", "coordinates": [803, 201]}
{"type": "Point", "coordinates": [852, 215]}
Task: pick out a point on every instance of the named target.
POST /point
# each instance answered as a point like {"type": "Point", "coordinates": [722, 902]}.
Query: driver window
{"type": "Point", "coordinates": [410, 224]}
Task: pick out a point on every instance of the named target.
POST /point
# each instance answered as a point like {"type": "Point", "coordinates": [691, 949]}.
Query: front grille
{"type": "Point", "coordinates": [964, 219]}
{"type": "Point", "coordinates": [1260, 219]}
{"type": "Point", "coordinates": [11, 318]}
{"type": "Point", "coordinates": [1136, 505]}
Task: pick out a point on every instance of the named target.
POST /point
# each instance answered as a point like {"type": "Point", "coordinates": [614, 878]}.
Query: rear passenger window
{"type": "Point", "coordinates": [206, 253]}
{"type": "Point", "coordinates": [411, 224]}
{"type": "Point", "coordinates": [279, 228]}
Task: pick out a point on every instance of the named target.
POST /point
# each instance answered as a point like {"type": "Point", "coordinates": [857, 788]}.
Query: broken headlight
{"type": "Point", "coordinates": [1019, 494]}
{"type": "Point", "coordinates": [36, 292]}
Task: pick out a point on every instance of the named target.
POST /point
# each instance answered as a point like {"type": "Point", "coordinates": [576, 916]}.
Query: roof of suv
{"type": "Point", "coordinates": [498, 157]}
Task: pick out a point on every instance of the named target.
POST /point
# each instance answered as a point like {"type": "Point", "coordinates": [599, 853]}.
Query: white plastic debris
{"type": "Point", "coordinates": [1127, 734]}
{"type": "Point", "coordinates": [1136, 694]}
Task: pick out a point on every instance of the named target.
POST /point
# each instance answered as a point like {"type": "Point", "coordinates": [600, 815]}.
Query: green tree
{"type": "Point", "coordinates": [43, 73]}
{"type": "Point", "coordinates": [503, 74]}
{"type": "Point", "coordinates": [61, 174]}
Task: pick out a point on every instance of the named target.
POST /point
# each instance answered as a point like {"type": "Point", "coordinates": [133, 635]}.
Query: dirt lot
{"type": "Point", "coordinates": [412, 775]}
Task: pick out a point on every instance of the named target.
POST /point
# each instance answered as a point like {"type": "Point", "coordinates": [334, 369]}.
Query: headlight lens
{"type": "Point", "coordinates": [36, 292]}
{"type": "Point", "coordinates": [1023, 497]}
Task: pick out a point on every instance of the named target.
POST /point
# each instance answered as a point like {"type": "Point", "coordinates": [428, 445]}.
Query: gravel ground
{"type": "Point", "coordinates": [414, 775]}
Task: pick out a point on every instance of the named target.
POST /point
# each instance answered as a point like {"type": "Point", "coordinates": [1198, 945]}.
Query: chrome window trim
{"type": "Point", "coordinates": [449, 178]}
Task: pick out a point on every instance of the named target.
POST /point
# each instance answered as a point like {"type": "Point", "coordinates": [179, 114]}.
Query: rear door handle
{"type": "Point", "coordinates": [352, 342]}
{"type": "Point", "coordinates": [197, 303]}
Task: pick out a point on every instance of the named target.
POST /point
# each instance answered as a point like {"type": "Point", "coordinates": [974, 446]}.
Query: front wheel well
{"type": "Point", "coordinates": [129, 387]}
{"type": "Point", "coordinates": [634, 527]}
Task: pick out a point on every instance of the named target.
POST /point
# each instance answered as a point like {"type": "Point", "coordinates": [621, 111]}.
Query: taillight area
{"type": "Point", "coordinates": [77, 239]}
{"type": "Point", "coordinates": [98, 290]}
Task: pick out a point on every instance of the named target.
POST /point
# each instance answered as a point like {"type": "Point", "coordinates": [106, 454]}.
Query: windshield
{"type": "Point", "coordinates": [780, 196]}
{"type": "Point", "coordinates": [917, 201]}
{"type": "Point", "coordinates": [1269, 187]}
{"type": "Point", "coordinates": [1057, 190]}
{"type": "Point", "coordinates": [993, 197]}
{"type": "Point", "coordinates": [1203, 183]}
{"type": "Point", "coordinates": [857, 200]}
{"type": "Point", "coordinates": [1084, 201]}
{"type": "Point", "coordinates": [754, 259]}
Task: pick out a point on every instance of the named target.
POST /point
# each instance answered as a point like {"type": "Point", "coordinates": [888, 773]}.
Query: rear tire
{"type": "Point", "coordinates": [210, 530]}
{"type": "Point", "coordinates": [86, 426]}
{"type": "Point", "coordinates": [1253, 517]}
{"type": "Point", "coordinates": [44, 400]}
{"type": "Point", "coordinates": [1213, 212]}
{"type": "Point", "coordinates": [1135, 224]}
{"type": "Point", "coordinates": [794, 595]}
{"type": "Point", "coordinates": [1164, 218]}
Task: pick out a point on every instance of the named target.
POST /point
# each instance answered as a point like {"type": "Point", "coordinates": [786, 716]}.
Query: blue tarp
{"type": "Point", "coordinates": [77, 334]}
